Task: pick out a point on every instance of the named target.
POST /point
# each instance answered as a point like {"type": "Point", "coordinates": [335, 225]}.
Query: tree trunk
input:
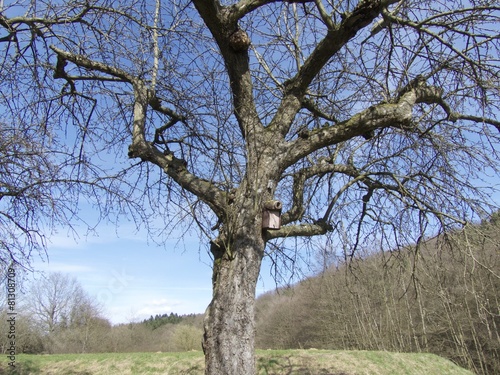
{"type": "Point", "coordinates": [229, 320]}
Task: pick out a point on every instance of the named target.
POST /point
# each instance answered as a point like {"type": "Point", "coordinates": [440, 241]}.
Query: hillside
{"type": "Point", "coordinates": [440, 297]}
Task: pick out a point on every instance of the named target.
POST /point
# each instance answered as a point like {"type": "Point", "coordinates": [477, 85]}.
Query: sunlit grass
{"type": "Point", "coordinates": [269, 362]}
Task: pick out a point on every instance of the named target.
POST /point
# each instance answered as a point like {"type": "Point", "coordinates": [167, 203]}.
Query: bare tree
{"type": "Point", "coordinates": [58, 301]}
{"type": "Point", "coordinates": [51, 300]}
{"type": "Point", "coordinates": [373, 121]}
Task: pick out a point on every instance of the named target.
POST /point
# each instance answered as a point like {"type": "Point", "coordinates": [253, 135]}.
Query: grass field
{"type": "Point", "coordinates": [271, 362]}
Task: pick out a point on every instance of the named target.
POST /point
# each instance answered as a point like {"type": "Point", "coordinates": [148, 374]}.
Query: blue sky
{"type": "Point", "coordinates": [133, 278]}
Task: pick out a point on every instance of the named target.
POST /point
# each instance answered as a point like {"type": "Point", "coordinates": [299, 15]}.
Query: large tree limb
{"type": "Point", "coordinates": [397, 114]}
{"type": "Point", "coordinates": [433, 95]}
{"type": "Point", "coordinates": [174, 167]}
{"type": "Point", "coordinates": [233, 44]}
{"type": "Point", "coordinates": [375, 117]}
{"type": "Point", "coordinates": [336, 38]}
{"type": "Point", "coordinates": [140, 147]}
{"type": "Point", "coordinates": [303, 230]}
{"type": "Point", "coordinates": [323, 167]}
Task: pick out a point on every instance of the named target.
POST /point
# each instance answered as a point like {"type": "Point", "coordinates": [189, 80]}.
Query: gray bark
{"type": "Point", "coordinates": [229, 337]}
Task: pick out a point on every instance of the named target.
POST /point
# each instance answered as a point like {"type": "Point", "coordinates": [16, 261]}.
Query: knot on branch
{"type": "Point", "coordinates": [424, 93]}
{"type": "Point", "coordinates": [304, 134]}
{"type": "Point", "coordinates": [362, 14]}
{"type": "Point", "coordinates": [136, 151]}
{"type": "Point", "coordinates": [324, 225]}
{"type": "Point", "coordinates": [4, 22]}
{"type": "Point", "coordinates": [60, 72]}
{"type": "Point", "coordinates": [239, 41]}
{"type": "Point", "coordinates": [429, 95]}
{"type": "Point", "coordinates": [231, 196]}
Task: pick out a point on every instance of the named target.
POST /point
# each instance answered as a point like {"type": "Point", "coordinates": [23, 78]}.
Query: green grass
{"type": "Point", "coordinates": [327, 362]}
{"type": "Point", "coordinates": [269, 362]}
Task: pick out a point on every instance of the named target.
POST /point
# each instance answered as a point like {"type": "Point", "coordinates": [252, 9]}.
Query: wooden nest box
{"type": "Point", "coordinates": [271, 216]}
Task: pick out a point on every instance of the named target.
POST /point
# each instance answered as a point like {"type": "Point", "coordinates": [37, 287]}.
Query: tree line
{"type": "Point", "coordinates": [57, 316]}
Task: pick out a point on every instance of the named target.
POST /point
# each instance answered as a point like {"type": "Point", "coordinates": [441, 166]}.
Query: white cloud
{"type": "Point", "coordinates": [104, 234]}
{"type": "Point", "coordinates": [159, 302]}
{"type": "Point", "coordinates": [60, 241]}
{"type": "Point", "coordinates": [124, 311]}
{"type": "Point", "coordinates": [157, 306]}
{"type": "Point", "coordinates": [63, 267]}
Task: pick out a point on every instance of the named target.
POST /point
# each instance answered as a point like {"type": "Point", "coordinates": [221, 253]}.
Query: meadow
{"type": "Point", "coordinates": [269, 362]}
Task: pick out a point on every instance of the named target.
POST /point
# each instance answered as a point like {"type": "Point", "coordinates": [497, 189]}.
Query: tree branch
{"type": "Point", "coordinates": [85, 62]}
{"type": "Point", "coordinates": [434, 95]}
{"type": "Point", "coordinates": [324, 166]}
{"type": "Point", "coordinates": [419, 26]}
{"type": "Point", "coordinates": [174, 167]}
{"type": "Point", "coordinates": [243, 7]}
{"type": "Point", "coordinates": [146, 151]}
{"type": "Point", "coordinates": [376, 117]}
{"type": "Point", "coordinates": [487, 120]}
{"type": "Point", "coordinates": [308, 104]}
{"type": "Point", "coordinates": [306, 230]}
{"type": "Point", "coordinates": [233, 44]}
{"type": "Point", "coordinates": [336, 38]}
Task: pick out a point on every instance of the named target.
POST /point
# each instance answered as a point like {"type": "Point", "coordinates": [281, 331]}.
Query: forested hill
{"type": "Point", "coordinates": [442, 297]}
{"type": "Point", "coordinates": [162, 319]}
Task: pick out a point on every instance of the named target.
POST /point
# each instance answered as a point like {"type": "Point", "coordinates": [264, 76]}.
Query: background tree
{"type": "Point", "coordinates": [66, 314]}
{"type": "Point", "coordinates": [186, 338]}
{"type": "Point", "coordinates": [372, 120]}
{"type": "Point", "coordinates": [53, 299]}
{"type": "Point", "coordinates": [29, 338]}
